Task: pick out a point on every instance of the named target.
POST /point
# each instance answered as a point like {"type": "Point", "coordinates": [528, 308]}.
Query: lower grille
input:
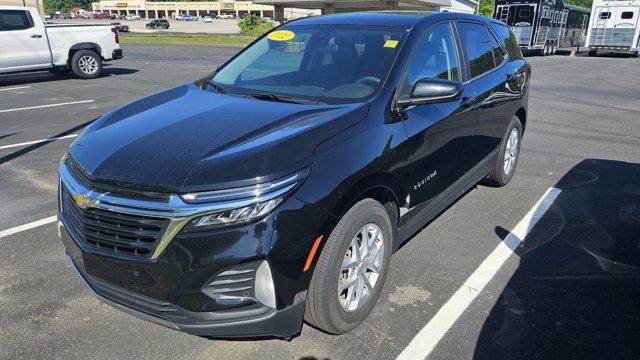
{"type": "Point", "coordinates": [112, 232]}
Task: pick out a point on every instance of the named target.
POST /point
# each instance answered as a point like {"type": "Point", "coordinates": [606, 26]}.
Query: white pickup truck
{"type": "Point", "coordinates": [26, 43]}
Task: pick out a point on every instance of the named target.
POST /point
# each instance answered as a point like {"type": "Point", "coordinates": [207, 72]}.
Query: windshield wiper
{"type": "Point", "coordinates": [281, 98]}
{"type": "Point", "coordinates": [216, 86]}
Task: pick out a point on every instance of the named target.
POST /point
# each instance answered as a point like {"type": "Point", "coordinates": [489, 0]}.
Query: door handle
{"type": "Point", "coordinates": [36, 36]}
{"type": "Point", "coordinates": [469, 101]}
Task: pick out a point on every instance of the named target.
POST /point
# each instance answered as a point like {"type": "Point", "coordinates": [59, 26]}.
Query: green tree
{"type": "Point", "coordinates": [254, 25]}
{"type": "Point", "coordinates": [486, 8]}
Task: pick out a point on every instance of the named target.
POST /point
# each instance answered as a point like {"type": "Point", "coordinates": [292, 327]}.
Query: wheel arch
{"type": "Point", "coordinates": [85, 46]}
{"type": "Point", "coordinates": [522, 115]}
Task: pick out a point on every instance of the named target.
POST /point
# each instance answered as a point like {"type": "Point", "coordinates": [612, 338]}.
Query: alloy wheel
{"type": "Point", "coordinates": [511, 151]}
{"type": "Point", "coordinates": [88, 64]}
{"type": "Point", "coordinates": [361, 267]}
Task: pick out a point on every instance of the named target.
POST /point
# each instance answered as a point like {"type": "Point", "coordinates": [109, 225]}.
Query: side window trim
{"type": "Point", "coordinates": [459, 52]}
{"type": "Point", "coordinates": [466, 58]}
{"type": "Point", "coordinates": [502, 48]}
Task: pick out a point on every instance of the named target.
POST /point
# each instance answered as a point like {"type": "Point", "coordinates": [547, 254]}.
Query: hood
{"type": "Point", "coordinates": [186, 139]}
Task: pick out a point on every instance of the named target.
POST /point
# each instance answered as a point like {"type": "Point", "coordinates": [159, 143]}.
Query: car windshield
{"type": "Point", "coordinates": [329, 64]}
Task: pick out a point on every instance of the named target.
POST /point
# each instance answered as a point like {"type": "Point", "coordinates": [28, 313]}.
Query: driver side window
{"type": "Point", "coordinates": [435, 57]}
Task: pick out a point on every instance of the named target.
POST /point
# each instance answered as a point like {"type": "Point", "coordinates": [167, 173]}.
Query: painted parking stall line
{"type": "Point", "coordinates": [15, 88]}
{"type": "Point", "coordinates": [46, 106]}
{"type": "Point", "coordinates": [31, 225]}
{"type": "Point", "coordinates": [429, 336]}
{"type": "Point", "coordinates": [38, 141]}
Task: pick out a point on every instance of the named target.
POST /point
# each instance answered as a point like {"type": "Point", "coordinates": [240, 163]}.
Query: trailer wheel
{"type": "Point", "coordinates": [636, 54]}
{"type": "Point", "coordinates": [554, 48]}
{"type": "Point", "coordinates": [545, 49]}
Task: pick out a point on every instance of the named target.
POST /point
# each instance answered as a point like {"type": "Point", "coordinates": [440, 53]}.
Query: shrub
{"type": "Point", "coordinates": [254, 25]}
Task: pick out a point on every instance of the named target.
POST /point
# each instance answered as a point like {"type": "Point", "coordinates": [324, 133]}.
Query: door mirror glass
{"type": "Point", "coordinates": [432, 91]}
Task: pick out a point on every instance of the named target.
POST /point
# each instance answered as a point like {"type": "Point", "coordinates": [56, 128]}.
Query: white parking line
{"type": "Point", "coordinates": [430, 335]}
{"type": "Point", "coordinates": [46, 106]}
{"type": "Point", "coordinates": [16, 88]}
{"type": "Point", "coordinates": [31, 225]}
{"type": "Point", "coordinates": [38, 141]}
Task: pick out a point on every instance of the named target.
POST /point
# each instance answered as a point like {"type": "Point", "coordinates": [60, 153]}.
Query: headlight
{"type": "Point", "coordinates": [241, 205]}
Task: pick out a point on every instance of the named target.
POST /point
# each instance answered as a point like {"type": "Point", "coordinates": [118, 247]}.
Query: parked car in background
{"type": "Point", "coordinates": [226, 16]}
{"type": "Point", "coordinates": [157, 24]}
{"type": "Point", "coordinates": [277, 188]}
{"type": "Point", "coordinates": [179, 17]}
{"type": "Point", "coordinates": [132, 17]}
{"type": "Point", "coordinates": [67, 16]}
{"type": "Point", "coordinates": [207, 19]}
{"type": "Point", "coordinates": [28, 44]}
{"type": "Point", "coordinates": [120, 27]}
{"type": "Point", "coordinates": [189, 18]}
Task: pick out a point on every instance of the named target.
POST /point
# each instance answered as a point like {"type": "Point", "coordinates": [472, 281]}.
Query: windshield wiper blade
{"type": "Point", "coordinates": [216, 86]}
{"type": "Point", "coordinates": [281, 98]}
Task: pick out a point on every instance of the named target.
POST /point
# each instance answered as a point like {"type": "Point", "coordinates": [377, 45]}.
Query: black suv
{"type": "Point", "coordinates": [158, 23]}
{"type": "Point", "coordinates": [277, 188]}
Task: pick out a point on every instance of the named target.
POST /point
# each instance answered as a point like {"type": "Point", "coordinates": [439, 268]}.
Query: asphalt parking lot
{"type": "Point", "coordinates": [571, 290]}
{"type": "Point", "coordinates": [217, 26]}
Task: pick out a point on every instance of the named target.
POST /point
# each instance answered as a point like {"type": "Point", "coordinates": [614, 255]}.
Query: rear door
{"type": "Point", "coordinates": [440, 135]}
{"type": "Point", "coordinates": [493, 79]}
{"type": "Point", "coordinates": [23, 43]}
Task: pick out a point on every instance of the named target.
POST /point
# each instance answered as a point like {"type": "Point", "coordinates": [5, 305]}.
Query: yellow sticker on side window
{"type": "Point", "coordinates": [281, 35]}
{"type": "Point", "coordinates": [391, 44]}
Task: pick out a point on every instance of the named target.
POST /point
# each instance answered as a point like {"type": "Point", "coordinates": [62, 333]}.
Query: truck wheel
{"type": "Point", "coordinates": [86, 64]}
{"type": "Point", "coordinates": [507, 156]}
{"type": "Point", "coordinates": [351, 269]}
{"type": "Point", "coordinates": [554, 48]}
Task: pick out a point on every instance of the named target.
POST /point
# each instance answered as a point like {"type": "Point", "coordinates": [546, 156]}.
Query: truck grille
{"type": "Point", "coordinates": [112, 232]}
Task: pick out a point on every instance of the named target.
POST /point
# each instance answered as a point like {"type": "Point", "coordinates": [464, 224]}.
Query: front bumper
{"type": "Point", "coordinates": [169, 290]}
{"type": "Point", "coordinates": [283, 323]}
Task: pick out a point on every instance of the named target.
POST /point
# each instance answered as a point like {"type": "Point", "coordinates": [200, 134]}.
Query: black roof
{"type": "Point", "coordinates": [373, 18]}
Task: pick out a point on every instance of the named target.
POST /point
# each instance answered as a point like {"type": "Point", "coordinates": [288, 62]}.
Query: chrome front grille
{"type": "Point", "coordinates": [112, 232]}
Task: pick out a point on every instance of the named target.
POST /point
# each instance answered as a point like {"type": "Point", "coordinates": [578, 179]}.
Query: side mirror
{"type": "Point", "coordinates": [431, 91]}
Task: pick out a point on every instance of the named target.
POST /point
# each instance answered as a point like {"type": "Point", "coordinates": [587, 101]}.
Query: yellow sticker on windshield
{"type": "Point", "coordinates": [391, 44]}
{"type": "Point", "coordinates": [281, 35]}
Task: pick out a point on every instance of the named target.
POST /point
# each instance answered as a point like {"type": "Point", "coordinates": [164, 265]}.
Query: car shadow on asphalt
{"type": "Point", "coordinates": [45, 76]}
{"type": "Point", "coordinates": [28, 149]}
{"type": "Point", "coordinates": [576, 292]}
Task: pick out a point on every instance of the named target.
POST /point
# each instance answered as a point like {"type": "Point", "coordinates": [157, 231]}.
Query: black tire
{"type": "Point", "coordinates": [545, 49]}
{"type": "Point", "coordinates": [323, 309]}
{"type": "Point", "coordinates": [59, 70]}
{"type": "Point", "coordinates": [498, 177]}
{"type": "Point", "coordinates": [78, 70]}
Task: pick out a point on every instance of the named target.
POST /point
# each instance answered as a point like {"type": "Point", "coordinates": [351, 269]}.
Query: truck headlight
{"type": "Point", "coordinates": [241, 205]}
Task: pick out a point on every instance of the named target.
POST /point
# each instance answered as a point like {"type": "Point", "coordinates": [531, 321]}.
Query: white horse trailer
{"type": "Point", "coordinates": [614, 27]}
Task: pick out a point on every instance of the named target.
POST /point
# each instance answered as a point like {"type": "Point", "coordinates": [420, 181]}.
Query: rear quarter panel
{"type": "Point", "coordinates": [63, 37]}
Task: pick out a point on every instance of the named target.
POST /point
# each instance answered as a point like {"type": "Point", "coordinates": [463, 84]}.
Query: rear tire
{"type": "Point", "coordinates": [86, 64]}
{"type": "Point", "coordinates": [339, 311]}
{"type": "Point", "coordinates": [508, 155]}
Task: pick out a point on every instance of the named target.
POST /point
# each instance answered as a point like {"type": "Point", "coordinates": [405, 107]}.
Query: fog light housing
{"type": "Point", "coordinates": [264, 288]}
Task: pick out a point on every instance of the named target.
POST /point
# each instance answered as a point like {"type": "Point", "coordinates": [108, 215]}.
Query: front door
{"type": "Point", "coordinates": [23, 43]}
{"type": "Point", "coordinates": [440, 135]}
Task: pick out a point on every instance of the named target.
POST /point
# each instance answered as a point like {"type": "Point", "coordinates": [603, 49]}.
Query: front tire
{"type": "Point", "coordinates": [86, 64]}
{"type": "Point", "coordinates": [351, 269]}
{"type": "Point", "coordinates": [508, 155]}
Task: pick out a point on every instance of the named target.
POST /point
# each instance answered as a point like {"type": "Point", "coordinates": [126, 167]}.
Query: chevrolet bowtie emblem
{"type": "Point", "coordinates": [83, 201]}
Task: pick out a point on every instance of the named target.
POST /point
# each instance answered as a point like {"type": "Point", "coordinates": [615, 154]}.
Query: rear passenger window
{"type": "Point", "coordinates": [435, 57]}
{"type": "Point", "coordinates": [605, 15]}
{"type": "Point", "coordinates": [498, 52]}
{"type": "Point", "coordinates": [475, 42]}
{"type": "Point", "coordinates": [508, 40]}
{"type": "Point", "coordinates": [627, 15]}
{"type": "Point", "coordinates": [15, 20]}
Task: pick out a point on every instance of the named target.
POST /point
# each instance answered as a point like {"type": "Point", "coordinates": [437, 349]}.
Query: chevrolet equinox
{"type": "Point", "coordinates": [275, 190]}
